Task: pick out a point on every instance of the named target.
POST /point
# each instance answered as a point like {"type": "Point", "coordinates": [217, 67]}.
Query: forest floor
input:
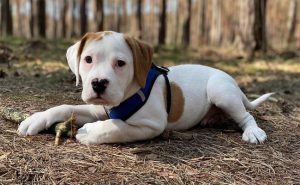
{"type": "Point", "coordinates": [38, 79]}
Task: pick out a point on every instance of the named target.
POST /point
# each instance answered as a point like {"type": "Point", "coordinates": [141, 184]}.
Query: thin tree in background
{"type": "Point", "coordinates": [41, 18]}
{"type": "Point", "coordinates": [252, 26]}
{"type": "Point", "coordinates": [83, 17]}
{"type": "Point", "coordinates": [124, 16]}
{"type": "Point", "coordinates": [215, 31]}
{"type": "Point", "coordinates": [70, 19]}
{"type": "Point", "coordinates": [152, 35]}
{"type": "Point", "coordinates": [177, 12]}
{"type": "Point", "coordinates": [187, 25]}
{"type": "Point", "coordinates": [162, 26]}
{"type": "Point", "coordinates": [6, 18]}
{"type": "Point", "coordinates": [19, 27]}
{"type": "Point", "coordinates": [64, 11]}
{"type": "Point", "coordinates": [99, 14]}
{"type": "Point", "coordinates": [1, 17]}
{"type": "Point", "coordinates": [117, 16]}
{"type": "Point", "coordinates": [203, 35]}
{"type": "Point", "coordinates": [247, 27]}
{"type": "Point", "coordinates": [139, 17]}
{"type": "Point", "coordinates": [292, 20]}
{"type": "Point", "coordinates": [260, 25]}
{"type": "Point", "coordinates": [31, 19]}
{"type": "Point", "coordinates": [55, 7]}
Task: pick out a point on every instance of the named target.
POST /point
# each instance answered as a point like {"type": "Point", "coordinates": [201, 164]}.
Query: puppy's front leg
{"type": "Point", "coordinates": [117, 131]}
{"type": "Point", "coordinates": [43, 120]}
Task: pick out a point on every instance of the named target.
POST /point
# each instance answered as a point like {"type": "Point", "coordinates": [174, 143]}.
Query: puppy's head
{"type": "Point", "coordinates": [111, 65]}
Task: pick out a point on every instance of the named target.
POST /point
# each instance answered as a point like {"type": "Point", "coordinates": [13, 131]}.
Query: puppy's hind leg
{"type": "Point", "coordinates": [224, 93]}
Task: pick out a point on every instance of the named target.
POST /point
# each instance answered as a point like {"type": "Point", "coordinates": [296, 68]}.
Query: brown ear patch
{"type": "Point", "coordinates": [89, 36]}
{"type": "Point", "coordinates": [177, 103]}
{"type": "Point", "coordinates": [142, 58]}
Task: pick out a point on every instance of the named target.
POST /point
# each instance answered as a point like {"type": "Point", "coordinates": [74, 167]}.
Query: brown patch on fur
{"type": "Point", "coordinates": [89, 36]}
{"type": "Point", "coordinates": [142, 58]}
{"type": "Point", "coordinates": [177, 103]}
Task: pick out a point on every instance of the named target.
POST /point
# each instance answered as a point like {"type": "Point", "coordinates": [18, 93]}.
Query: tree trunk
{"type": "Point", "coordinates": [176, 31]}
{"type": "Point", "coordinates": [252, 26]}
{"type": "Point", "coordinates": [83, 17]}
{"type": "Point", "coordinates": [260, 25]}
{"type": "Point", "coordinates": [139, 17]}
{"type": "Point", "coordinates": [70, 19]}
{"type": "Point", "coordinates": [162, 26]}
{"type": "Point", "coordinates": [124, 17]}
{"type": "Point", "coordinates": [153, 22]}
{"type": "Point", "coordinates": [63, 18]}
{"type": "Point", "coordinates": [1, 4]}
{"type": "Point", "coordinates": [203, 35]}
{"type": "Point", "coordinates": [215, 32]}
{"type": "Point", "coordinates": [6, 18]}
{"type": "Point", "coordinates": [55, 7]}
{"type": "Point", "coordinates": [32, 19]}
{"type": "Point", "coordinates": [19, 26]}
{"type": "Point", "coordinates": [115, 18]}
{"type": "Point", "coordinates": [292, 20]}
{"type": "Point", "coordinates": [41, 18]}
{"type": "Point", "coordinates": [187, 25]}
{"type": "Point", "coordinates": [99, 15]}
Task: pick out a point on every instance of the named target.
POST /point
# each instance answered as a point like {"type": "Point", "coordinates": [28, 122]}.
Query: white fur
{"type": "Point", "coordinates": [202, 87]}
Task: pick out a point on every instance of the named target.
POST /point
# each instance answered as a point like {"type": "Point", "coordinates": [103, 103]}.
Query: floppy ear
{"type": "Point", "coordinates": [72, 60]}
{"type": "Point", "coordinates": [73, 55]}
{"type": "Point", "coordinates": [142, 58]}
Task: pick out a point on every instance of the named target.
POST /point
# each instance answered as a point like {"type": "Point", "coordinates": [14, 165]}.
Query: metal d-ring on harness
{"type": "Point", "coordinates": [131, 105]}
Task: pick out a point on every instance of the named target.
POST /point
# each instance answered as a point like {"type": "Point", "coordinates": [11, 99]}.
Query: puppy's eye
{"type": "Point", "coordinates": [88, 59]}
{"type": "Point", "coordinates": [120, 63]}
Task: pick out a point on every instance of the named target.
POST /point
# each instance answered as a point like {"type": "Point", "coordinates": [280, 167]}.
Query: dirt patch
{"type": "Point", "coordinates": [35, 45]}
{"type": "Point", "coordinates": [6, 56]}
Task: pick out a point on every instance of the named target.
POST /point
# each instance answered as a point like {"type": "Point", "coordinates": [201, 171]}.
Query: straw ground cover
{"type": "Point", "coordinates": [39, 80]}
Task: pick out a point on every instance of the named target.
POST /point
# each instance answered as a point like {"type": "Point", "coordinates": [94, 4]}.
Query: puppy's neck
{"type": "Point", "coordinates": [131, 90]}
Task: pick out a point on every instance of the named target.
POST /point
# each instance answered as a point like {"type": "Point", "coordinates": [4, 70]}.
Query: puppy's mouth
{"type": "Point", "coordinates": [98, 100]}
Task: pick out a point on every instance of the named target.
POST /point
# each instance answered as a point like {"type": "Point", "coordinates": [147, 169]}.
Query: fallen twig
{"type": "Point", "coordinates": [67, 128]}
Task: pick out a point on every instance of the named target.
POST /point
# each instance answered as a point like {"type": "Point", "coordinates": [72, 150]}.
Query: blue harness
{"type": "Point", "coordinates": [131, 105]}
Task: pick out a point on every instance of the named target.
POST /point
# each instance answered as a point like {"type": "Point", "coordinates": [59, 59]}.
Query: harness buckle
{"type": "Point", "coordinates": [162, 69]}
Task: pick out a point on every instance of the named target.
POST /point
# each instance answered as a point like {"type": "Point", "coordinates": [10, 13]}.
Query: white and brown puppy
{"type": "Point", "coordinates": [119, 64]}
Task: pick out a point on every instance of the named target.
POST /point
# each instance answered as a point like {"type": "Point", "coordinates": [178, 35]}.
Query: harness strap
{"type": "Point", "coordinates": [164, 71]}
{"type": "Point", "coordinates": [130, 106]}
{"type": "Point", "coordinates": [169, 94]}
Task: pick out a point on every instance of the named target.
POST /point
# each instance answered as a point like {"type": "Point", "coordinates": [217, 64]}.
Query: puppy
{"type": "Point", "coordinates": [129, 99]}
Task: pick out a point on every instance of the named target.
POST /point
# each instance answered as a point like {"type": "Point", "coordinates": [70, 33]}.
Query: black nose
{"type": "Point", "coordinates": [99, 86]}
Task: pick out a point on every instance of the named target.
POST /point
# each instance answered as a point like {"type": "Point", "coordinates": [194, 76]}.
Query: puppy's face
{"type": "Point", "coordinates": [111, 66]}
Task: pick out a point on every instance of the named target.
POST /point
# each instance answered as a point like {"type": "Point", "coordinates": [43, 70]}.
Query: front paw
{"type": "Point", "coordinates": [88, 134]}
{"type": "Point", "coordinates": [34, 124]}
{"type": "Point", "coordinates": [254, 134]}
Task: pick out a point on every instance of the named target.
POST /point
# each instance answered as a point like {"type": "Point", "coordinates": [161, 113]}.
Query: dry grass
{"type": "Point", "coordinates": [214, 156]}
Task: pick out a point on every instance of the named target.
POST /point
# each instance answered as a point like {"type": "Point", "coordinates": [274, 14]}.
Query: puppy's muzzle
{"type": "Point", "coordinates": [99, 86]}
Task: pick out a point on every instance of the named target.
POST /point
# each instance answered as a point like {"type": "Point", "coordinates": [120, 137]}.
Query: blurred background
{"type": "Point", "coordinates": [247, 25]}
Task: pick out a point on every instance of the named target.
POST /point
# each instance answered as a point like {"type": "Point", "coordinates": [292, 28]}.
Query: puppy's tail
{"type": "Point", "coordinates": [255, 103]}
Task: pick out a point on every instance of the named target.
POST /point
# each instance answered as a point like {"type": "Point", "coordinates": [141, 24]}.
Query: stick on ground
{"type": "Point", "coordinates": [67, 128]}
